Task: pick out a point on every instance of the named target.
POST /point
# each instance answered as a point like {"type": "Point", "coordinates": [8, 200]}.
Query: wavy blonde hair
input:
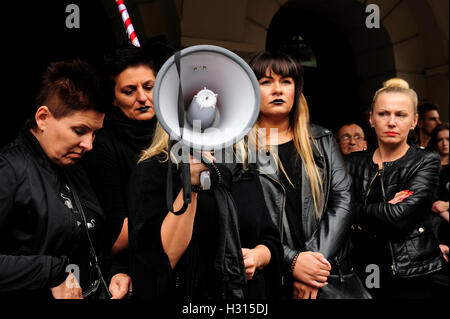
{"type": "Point", "coordinates": [160, 145]}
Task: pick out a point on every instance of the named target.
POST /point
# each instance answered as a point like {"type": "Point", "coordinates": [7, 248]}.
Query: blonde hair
{"type": "Point", "coordinates": [160, 145]}
{"type": "Point", "coordinates": [282, 64]}
{"type": "Point", "coordinates": [302, 141]}
{"type": "Point", "coordinates": [397, 85]}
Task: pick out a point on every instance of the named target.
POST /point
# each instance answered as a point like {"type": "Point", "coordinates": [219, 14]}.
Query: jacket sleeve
{"type": "Point", "coordinates": [423, 180]}
{"type": "Point", "coordinates": [23, 272]}
{"type": "Point", "coordinates": [334, 226]}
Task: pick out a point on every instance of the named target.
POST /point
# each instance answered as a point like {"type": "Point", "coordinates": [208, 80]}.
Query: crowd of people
{"type": "Point", "coordinates": [83, 196]}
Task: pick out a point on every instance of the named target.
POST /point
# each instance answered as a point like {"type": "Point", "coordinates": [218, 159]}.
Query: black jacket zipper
{"type": "Point", "coordinates": [379, 173]}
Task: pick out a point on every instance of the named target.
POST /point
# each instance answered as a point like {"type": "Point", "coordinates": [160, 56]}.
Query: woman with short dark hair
{"type": "Point", "coordinates": [48, 212]}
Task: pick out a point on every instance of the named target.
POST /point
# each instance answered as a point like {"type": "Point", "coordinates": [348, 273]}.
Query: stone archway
{"type": "Point", "coordinates": [417, 35]}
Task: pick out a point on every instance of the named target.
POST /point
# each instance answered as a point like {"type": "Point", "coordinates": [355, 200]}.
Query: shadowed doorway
{"type": "Point", "coordinates": [344, 61]}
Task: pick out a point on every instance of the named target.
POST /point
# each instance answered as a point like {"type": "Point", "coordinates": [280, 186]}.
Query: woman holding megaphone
{"type": "Point", "coordinates": [224, 246]}
{"type": "Point", "coordinates": [308, 194]}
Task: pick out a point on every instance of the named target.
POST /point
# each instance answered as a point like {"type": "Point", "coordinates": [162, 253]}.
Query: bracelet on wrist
{"type": "Point", "coordinates": [294, 261]}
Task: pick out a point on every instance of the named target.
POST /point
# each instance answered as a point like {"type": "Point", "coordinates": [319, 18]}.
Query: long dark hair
{"type": "Point", "coordinates": [285, 66]}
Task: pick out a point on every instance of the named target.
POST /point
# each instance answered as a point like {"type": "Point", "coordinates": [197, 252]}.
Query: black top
{"type": "Point", "coordinates": [375, 249]}
{"type": "Point", "coordinates": [195, 275]}
{"type": "Point", "coordinates": [292, 165]}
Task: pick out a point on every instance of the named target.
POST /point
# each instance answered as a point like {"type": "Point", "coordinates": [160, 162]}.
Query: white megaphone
{"type": "Point", "coordinates": [207, 98]}
{"type": "Point", "coordinates": [221, 97]}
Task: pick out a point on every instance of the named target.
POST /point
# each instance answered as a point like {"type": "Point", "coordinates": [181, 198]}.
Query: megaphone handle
{"type": "Point", "coordinates": [205, 180]}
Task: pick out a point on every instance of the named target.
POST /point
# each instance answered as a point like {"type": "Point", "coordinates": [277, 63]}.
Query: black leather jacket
{"type": "Point", "coordinates": [405, 227]}
{"type": "Point", "coordinates": [36, 228]}
{"type": "Point", "coordinates": [328, 235]}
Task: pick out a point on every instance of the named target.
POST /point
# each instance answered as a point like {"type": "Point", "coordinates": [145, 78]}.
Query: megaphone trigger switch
{"type": "Point", "coordinates": [205, 180]}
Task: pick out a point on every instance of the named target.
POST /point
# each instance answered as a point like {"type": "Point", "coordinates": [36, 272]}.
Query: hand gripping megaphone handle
{"type": "Point", "coordinates": [209, 179]}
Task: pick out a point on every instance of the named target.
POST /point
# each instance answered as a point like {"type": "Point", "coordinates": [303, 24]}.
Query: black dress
{"type": "Point", "coordinates": [196, 275]}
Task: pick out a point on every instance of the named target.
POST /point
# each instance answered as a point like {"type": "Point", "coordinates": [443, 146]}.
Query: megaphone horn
{"type": "Point", "coordinates": [220, 93]}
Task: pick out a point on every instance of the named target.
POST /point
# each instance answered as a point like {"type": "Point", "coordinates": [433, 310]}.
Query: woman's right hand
{"type": "Point", "coordinates": [69, 289]}
{"type": "Point", "coordinates": [312, 269]}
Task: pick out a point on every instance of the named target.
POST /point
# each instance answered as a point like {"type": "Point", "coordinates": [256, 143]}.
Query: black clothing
{"type": "Point", "coordinates": [401, 233]}
{"type": "Point", "coordinates": [197, 275]}
{"type": "Point", "coordinates": [115, 153]}
{"type": "Point", "coordinates": [40, 234]}
{"type": "Point", "coordinates": [442, 226]}
{"type": "Point", "coordinates": [292, 165]}
{"type": "Point", "coordinates": [443, 193]}
{"type": "Point", "coordinates": [328, 234]}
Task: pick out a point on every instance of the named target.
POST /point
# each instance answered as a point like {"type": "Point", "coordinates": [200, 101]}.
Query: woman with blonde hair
{"type": "Point", "coordinates": [392, 194]}
{"type": "Point", "coordinates": [308, 194]}
{"type": "Point", "coordinates": [224, 246]}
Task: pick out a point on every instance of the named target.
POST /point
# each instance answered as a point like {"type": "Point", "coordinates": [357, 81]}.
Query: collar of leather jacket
{"type": "Point", "coordinates": [319, 131]}
{"type": "Point", "coordinates": [31, 142]}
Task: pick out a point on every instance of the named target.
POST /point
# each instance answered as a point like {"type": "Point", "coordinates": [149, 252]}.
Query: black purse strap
{"type": "Point", "coordinates": [92, 253]}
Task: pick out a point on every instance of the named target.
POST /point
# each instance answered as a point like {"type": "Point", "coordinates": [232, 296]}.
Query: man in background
{"type": "Point", "coordinates": [351, 138]}
{"type": "Point", "coordinates": [428, 120]}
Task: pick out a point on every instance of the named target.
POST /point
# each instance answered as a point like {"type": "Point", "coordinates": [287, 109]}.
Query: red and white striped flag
{"type": "Point", "coordinates": [127, 22]}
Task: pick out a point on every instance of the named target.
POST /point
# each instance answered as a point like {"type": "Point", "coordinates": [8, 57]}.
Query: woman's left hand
{"type": "Point", "coordinates": [440, 207]}
{"type": "Point", "coordinates": [400, 196]}
{"type": "Point", "coordinates": [304, 291]}
{"type": "Point", "coordinates": [255, 258]}
{"type": "Point", "coordinates": [120, 285]}
{"type": "Point", "coordinates": [249, 262]}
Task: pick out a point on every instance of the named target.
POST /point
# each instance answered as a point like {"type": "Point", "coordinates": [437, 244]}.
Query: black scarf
{"type": "Point", "coordinates": [136, 134]}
